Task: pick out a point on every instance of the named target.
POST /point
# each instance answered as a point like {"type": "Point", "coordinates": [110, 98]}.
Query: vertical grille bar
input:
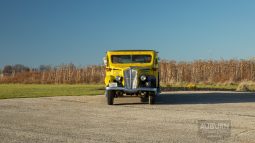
{"type": "Point", "coordinates": [134, 79]}
{"type": "Point", "coordinates": [127, 78]}
{"type": "Point", "coordinates": [130, 77]}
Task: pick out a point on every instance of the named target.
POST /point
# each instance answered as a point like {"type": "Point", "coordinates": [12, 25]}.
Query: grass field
{"type": "Point", "coordinates": [188, 86]}
{"type": "Point", "coordinates": [43, 90]}
{"type": "Point", "coordinates": [246, 86]}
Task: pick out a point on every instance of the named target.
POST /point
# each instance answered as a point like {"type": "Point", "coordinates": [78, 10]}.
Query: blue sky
{"type": "Point", "coordinates": [35, 32]}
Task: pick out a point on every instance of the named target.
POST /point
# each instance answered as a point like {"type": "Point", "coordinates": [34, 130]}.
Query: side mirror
{"type": "Point", "coordinates": [105, 61]}
{"type": "Point", "coordinates": [157, 60]}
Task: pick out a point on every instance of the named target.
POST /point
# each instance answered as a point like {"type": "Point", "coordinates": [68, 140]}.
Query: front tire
{"type": "Point", "coordinates": [110, 97]}
{"type": "Point", "coordinates": [152, 99]}
{"type": "Point", "coordinates": [144, 99]}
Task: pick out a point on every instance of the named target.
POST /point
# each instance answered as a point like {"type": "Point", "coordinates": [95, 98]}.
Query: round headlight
{"type": "Point", "coordinates": [143, 78]}
{"type": "Point", "coordinates": [118, 78]}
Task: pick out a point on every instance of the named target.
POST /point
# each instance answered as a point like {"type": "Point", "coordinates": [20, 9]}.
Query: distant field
{"type": "Point", "coordinates": [43, 90]}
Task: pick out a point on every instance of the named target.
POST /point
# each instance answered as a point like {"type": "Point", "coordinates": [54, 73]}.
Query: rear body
{"type": "Point", "coordinates": [132, 72]}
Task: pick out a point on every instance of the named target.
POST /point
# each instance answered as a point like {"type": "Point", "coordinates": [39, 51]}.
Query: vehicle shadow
{"type": "Point", "coordinates": [133, 103]}
{"type": "Point", "coordinates": [205, 98]}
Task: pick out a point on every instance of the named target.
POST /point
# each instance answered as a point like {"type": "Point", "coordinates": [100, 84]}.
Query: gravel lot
{"type": "Point", "coordinates": [174, 118]}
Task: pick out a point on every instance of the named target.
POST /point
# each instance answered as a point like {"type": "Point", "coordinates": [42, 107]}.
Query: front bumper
{"type": "Point", "coordinates": [132, 90]}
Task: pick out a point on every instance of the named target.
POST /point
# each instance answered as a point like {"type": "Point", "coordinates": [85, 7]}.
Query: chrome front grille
{"type": "Point", "coordinates": [130, 77]}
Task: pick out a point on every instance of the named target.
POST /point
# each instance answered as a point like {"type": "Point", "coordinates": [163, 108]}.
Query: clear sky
{"type": "Point", "coordinates": [34, 32]}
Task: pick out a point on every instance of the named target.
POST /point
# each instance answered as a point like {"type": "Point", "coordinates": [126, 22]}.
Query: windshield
{"type": "Point", "coordinates": [125, 59]}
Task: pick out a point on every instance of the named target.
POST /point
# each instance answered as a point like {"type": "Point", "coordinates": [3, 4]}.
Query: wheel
{"type": "Point", "coordinates": [110, 97]}
{"type": "Point", "coordinates": [152, 99]}
{"type": "Point", "coordinates": [144, 99]}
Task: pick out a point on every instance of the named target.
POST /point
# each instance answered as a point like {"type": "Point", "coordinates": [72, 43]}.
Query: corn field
{"type": "Point", "coordinates": [64, 74]}
{"type": "Point", "coordinates": [205, 71]}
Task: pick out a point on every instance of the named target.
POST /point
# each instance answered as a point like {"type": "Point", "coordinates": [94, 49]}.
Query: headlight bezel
{"type": "Point", "coordinates": [143, 77]}
{"type": "Point", "coordinates": [118, 78]}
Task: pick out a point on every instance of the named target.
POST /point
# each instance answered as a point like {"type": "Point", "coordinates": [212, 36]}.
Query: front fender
{"type": "Point", "coordinates": [109, 79]}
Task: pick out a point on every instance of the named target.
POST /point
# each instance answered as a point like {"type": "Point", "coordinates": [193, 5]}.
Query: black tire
{"type": "Point", "coordinates": [144, 99]}
{"type": "Point", "coordinates": [151, 99]}
{"type": "Point", "coordinates": [110, 97]}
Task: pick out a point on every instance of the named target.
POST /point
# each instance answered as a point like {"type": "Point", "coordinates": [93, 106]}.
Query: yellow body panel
{"type": "Point", "coordinates": [113, 69]}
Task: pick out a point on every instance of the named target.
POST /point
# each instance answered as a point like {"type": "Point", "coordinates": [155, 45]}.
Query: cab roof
{"type": "Point", "coordinates": [132, 51]}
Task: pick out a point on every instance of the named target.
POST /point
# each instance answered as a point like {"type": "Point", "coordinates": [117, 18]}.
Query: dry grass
{"type": "Point", "coordinates": [206, 72]}
{"type": "Point", "coordinates": [246, 86]}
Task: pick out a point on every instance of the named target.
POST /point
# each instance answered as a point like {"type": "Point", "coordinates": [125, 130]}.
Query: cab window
{"type": "Point", "coordinates": [125, 59]}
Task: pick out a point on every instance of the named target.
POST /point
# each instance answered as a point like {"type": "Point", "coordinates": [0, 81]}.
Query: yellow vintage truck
{"type": "Point", "coordinates": [132, 73]}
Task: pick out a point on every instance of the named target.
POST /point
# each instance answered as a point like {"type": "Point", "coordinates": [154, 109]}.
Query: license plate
{"type": "Point", "coordinates": [113, 84]}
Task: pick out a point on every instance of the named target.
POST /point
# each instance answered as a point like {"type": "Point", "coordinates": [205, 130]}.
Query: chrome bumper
{"type": "Point", "coordinates": [132, 90]}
